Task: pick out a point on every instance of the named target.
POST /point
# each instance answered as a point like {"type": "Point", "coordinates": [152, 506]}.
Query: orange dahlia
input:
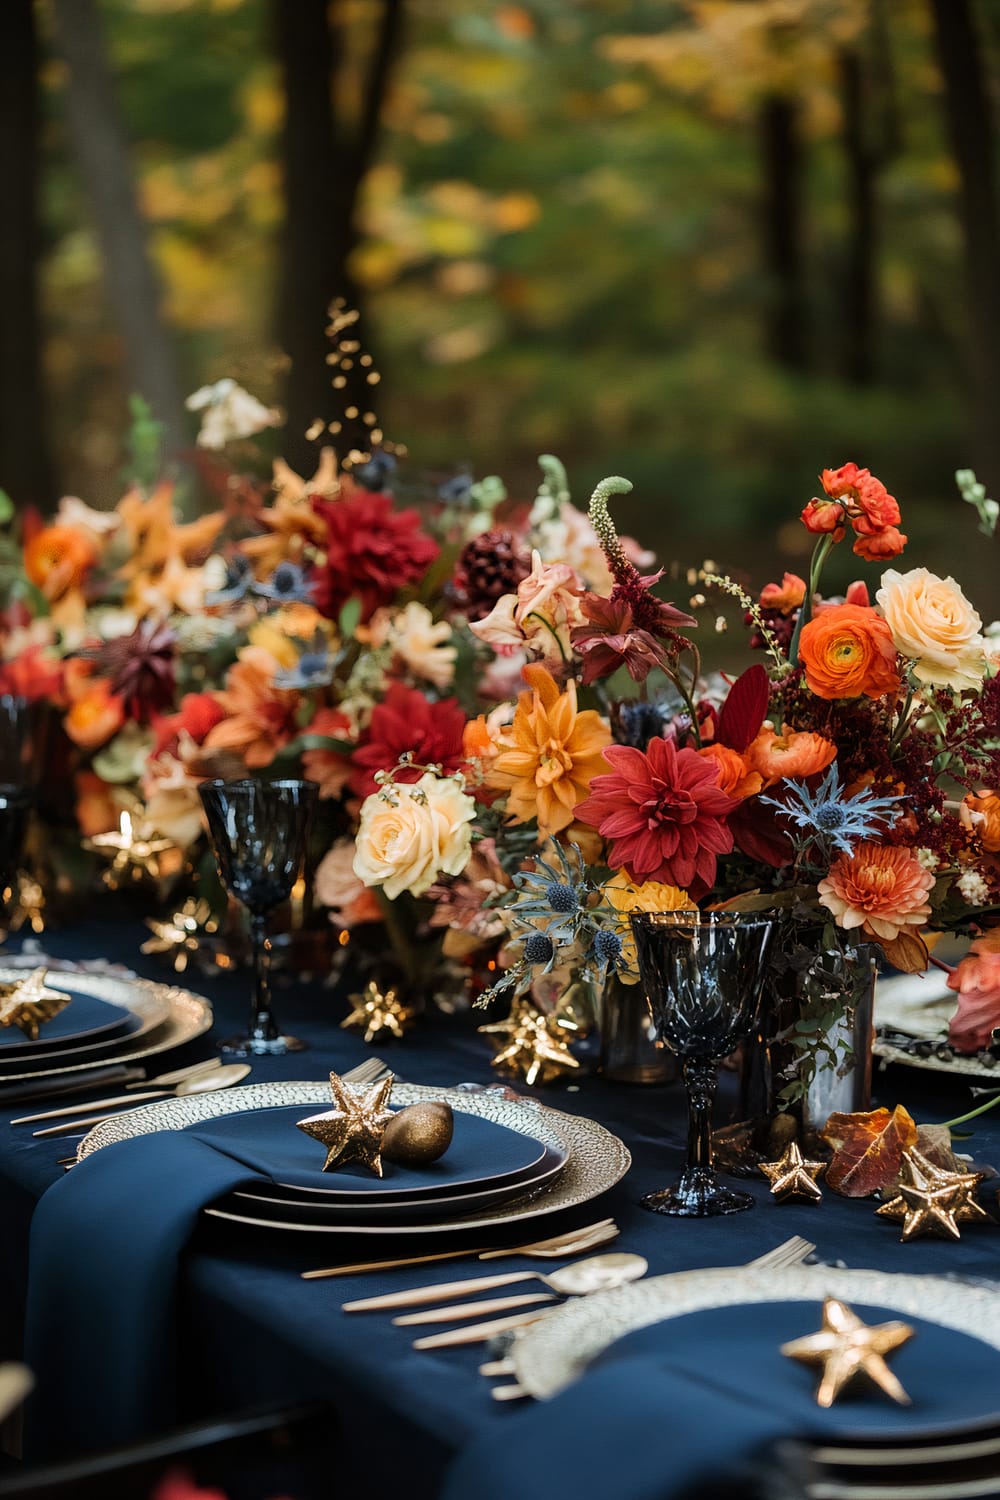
{"type": "Point", "coordinates": [57, 559]}
{"type": "Point", "coordinates": [260, 718]}
{"type": "Point", "coordinates": [878, 888]}
{"type": "Point", "coordinates": [550, 754]}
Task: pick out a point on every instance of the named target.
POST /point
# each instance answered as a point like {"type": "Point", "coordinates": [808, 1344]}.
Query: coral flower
{"type": "Point", "coordinates": [407, 723]}
{"type": "Point", "coordinates": [848, 651]}
{"type": "Point", "coordinates": [32, 675]}
{"type": "Point", "coordinates": [786, 596]}
{"type": "Point", "coordinates": [981, 815]}
{"type": "Point", "coordinates": [97, 811]}
{"type": "Point", "coordinates": [58, 559]}
{"type": "Point", "coordinates": [664, 813]}
{"type": "Point", "coordinates": [95, 715]}
{"type": "Point", "coordinates": [854, 495]}
{"type": "Point", "coordinates": [260, 718]}
{"type": "Point", "coordinates": [977, 981]}
{"type": "Point", "coordinates": [880, 888]}
{"type": "Point", "coordinates": [198, 713]}
{"type": "Point", "coordinates": [793, 752]}
{"type": "Point", "coordinates": [736, 778]}
{"type": "Point", "coordinates": [330, 768]}
{"type": "Point", "coordinates": [551, 754]}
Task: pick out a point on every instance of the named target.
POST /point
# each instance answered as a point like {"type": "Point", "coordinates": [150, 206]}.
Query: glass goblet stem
{"type": "Point", "coordinates": [700, 1076]}
{"type": "Point", "coordinates": [263, 1027]}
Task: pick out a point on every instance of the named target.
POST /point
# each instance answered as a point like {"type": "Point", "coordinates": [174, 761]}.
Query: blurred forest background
{"type": "Point", "coordinates": [714, 245]}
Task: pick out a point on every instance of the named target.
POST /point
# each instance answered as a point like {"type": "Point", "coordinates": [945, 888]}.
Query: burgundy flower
{"type": "Point", "coordinates": [142, 669]}
{"type": "Point", "coordinates": [663, 814]}
{"type": "Point", "coordinates": [372, 551]}
{"type": "Point", "coordinates": [611, 640]}
{"type": "Point", "coordinates": [407, 721]}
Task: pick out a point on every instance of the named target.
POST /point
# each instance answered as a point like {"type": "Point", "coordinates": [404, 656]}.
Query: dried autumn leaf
{"type": "Point", "coordinates": [867, 1149]}
{"type": "Point", "coordinates": [907, 952]}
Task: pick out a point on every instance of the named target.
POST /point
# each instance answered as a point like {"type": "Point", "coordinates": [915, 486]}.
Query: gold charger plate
{"type": "Point", "coordinates": [596, 1161]}
{"type": "Point", "coordinates": [554, 1352]}
{"type": "Point", "coordinates": [921, 1006]}
{"type": "Point", "coordinates": [170, 1017]}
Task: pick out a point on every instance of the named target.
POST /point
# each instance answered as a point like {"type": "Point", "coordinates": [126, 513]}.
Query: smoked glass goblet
{"type": "Point", "coordinates": [258, 831]}
{"type": "Point", "coordinates": [703, 973]}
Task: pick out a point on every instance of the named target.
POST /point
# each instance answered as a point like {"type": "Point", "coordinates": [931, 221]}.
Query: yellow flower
{"type": "Point", "coordinates": [550, 755]}
{"type": "Point", "coordinates": [421, 831]}
{"type": "Point", "coordinates": [625, 896]}
{"type": "Point", "coordinates": [278, 632]}
{"type": "Point", "coordinates": [934, 624]}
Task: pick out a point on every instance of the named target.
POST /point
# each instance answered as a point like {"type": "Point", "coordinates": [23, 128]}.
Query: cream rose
{"type": "Point", "coordinates": [934, 625]}
{"type": "Point", "coordinates": [423, 832]}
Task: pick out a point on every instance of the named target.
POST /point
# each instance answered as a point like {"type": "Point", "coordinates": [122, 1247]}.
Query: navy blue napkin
{"type": "Point", "coordinates": [100, 1328]}
{"type": "Point", "coordinates": [671, 1408]}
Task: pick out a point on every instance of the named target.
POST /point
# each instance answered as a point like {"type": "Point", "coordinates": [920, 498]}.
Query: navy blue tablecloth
{"type": "Point", "coordinates": [250, 1331]}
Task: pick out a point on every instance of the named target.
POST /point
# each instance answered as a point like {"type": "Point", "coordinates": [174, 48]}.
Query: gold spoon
{"type": "Point", "coordinates": [219, 1078]}
{"type": "Point", "coordinates": [598, 1273]}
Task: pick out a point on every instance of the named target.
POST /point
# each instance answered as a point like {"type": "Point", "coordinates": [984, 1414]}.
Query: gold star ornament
{"type": "Point", "coordinates": [846, 1349]}
{"type": "Point", "coordinates": [792, 1176]}
{"type": "Point", "coordinates": [354, 1128]}
{"type": "Point", "coordinates": [375, 1011]}
{"type": "Point", "coordinates": [930, 1200]}
{"type": "Point", "coordinates": [531, 1045]}
{"type": "Point", "coordinates": [134, 853]}
{"type": "Point", "coordinates": [29, 1003]}
{"type": "Point", "coordinates": [182, 935]}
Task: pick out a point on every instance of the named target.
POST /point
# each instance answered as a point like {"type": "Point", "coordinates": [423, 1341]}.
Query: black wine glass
{"type": "Point", "coordinates": [703, 973]}
{"type": "Point", "coordinates": [258, 833]}
{"type": "Point", "coordinates": [23, 725]}
{"type": "Point", "coordinates": [15, 809]}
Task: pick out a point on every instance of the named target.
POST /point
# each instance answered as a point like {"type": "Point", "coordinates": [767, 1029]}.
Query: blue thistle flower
{"type": "Point", "coordinates": [562, 897]}
{"type": "Point", "coordinates": [831, 819]}
{"type": "Point", "coordinates": [538, 949]}
{"type": "Point", "coordinates": [239, 577]}
{"type": "Point", "coordinates": [286, 585]}
{"type": "Point", "coordinates": [607, 948]}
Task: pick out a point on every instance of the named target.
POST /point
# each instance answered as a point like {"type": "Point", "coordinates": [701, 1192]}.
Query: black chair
{"type": "Point", "coordinates": [256, 1456]}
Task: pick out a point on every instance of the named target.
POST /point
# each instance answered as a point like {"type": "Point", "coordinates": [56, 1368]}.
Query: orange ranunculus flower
{"type": "Point", "coordinates": [879, 546]}
{"type": "Point", "coordinates": [981, 815]}
{"type": "Point", "coordinates": [881, 888]}
{"type": "Point", "coordinates": [550, 754]}
{"type": "Point", "coordinates": [785, 596]}
{"type": "Point", "coordinates": [793, 752]}
{"type": "Point", "coordinates": [95, 715]}
{"type": "Point", "coordinates": [736, 779]}
{"type": "Point", "coordinates": [57, 559]}
{"type": "Point", "coordinates": [848, 652]}
{"type": "Point", "coordinates": [260, 718]}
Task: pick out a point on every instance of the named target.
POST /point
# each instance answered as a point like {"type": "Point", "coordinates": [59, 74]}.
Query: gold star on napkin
{"type": "Point", "coordinates": [353, 1129]}
{"type": "Point", "coordinates": [531, 1045]}
{"type": "Point", "coordinates": [375, 1011]}
{"type": "Point", "coordinates": [918, 1172]}
{"type": "Point", "coordinates": [30, 1003]}
{"type": "Point", "coordinates": [792, 1176]}
{"type": "Point", "coordinates": [845, 1348]}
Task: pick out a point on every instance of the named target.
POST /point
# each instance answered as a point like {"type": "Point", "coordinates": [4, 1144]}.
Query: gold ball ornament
{"type": "Point", "coordinates": [375, 1011]}
{"type": "Point", "coordinates": [792, 1177]}
{"type": "Point", "coordinates": [419, 1134]}
{"type": "Point", "coordinates": [531, 1045]}
{"type": "Point", "coordinates": [846, 1349]}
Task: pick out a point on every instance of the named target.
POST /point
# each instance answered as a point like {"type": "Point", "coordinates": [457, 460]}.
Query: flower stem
{"type": "Point", "coordinates": [820, 554]}
{"type": "Point", "coordinates": [534, 615]}
{"type": "Point", "coordinates": [980, 1109]}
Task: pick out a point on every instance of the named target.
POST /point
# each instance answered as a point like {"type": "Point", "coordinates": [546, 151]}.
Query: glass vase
{"type": "Point", "coordinates": [630, 1051]}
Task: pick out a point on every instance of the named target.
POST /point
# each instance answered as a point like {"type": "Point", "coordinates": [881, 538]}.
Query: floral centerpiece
{"type": "Point", "coordinates": [512, 735]}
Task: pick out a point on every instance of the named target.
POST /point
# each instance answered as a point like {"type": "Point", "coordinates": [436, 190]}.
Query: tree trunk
{"type": "Point", "coordinates": [324, 165]}
{"type": "Point", "coordinates": [967, 108]}
{"type": "Point", "coordinates": [24, 467]}
{"type": "Point", "coordinates": [782, 232]}
{"type": "Point", "coordinates": [862, 258]}
{"type": "Point", "coordinates": [98, 138]}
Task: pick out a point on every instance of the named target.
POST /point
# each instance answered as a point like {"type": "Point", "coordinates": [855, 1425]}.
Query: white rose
{"type": "Point", "coordinates": [934, 624]}
{"type": "Point", "coordinates": [404, 844]}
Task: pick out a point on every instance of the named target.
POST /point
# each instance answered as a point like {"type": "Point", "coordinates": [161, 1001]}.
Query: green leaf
{"type": "Point", "coordinates": [350, 617]}
{"type": "Point", "coordinates": [6, 508]}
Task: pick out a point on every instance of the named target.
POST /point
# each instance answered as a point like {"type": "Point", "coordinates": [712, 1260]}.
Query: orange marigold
{"type": "Point", "coordinates": [848, 652]}
{"type": "Point", "coordinates": [57, 559]}
{"type": "Point", "coordinates": [260, 718]}
{"type": "Point", "coordinates": [878, 887]}
{"type": "Point", "coordinates": [550, 754]}
{"type": "Point", "coordinates": [793, 752]}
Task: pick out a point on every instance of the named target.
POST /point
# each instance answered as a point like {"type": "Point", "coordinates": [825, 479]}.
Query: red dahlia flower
{"type": "Point", "coordinates": [372, 550]}
{"type": "Point", "coordinates": [407, 721]}
{"type": "Point", "coordinates": [664, 814]}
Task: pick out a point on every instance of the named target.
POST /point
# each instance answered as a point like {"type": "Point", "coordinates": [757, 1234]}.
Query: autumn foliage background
{"type": "Point", "coordinates": [713, 245]}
